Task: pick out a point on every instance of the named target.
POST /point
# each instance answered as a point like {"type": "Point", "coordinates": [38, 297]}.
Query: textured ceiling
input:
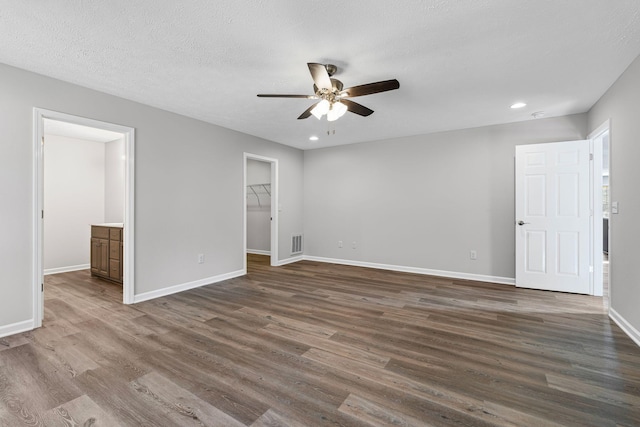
{"type": "Point", "coordinates": [460, 63]}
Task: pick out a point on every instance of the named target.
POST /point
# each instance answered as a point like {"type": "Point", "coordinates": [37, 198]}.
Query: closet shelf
{"type": "Point", "coordinates": [261, 193]}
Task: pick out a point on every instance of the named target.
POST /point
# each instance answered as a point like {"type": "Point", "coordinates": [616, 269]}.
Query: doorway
{"type": "Point", "coordinates": [260, 207]}
{"type": "Point", "coordinates": [45, 119]}
{"type": "Point", "coordinates": [553, 217]}
{"type": "Point", "coordinates": [550, 259]}
{"type": "Point", "coordinates": [600, 145]}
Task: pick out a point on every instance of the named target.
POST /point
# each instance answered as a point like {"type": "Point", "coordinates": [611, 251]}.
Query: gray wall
{"type": "Point", "coordinates": [424, 201]}
{"type": "Point", "coordinates": [621, 104]}
{"type": "Point", "coordinates": [189, 188]}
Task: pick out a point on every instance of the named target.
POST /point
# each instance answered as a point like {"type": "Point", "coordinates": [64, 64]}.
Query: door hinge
{"type": "Point", "coordinates": [41, 287]}
{"type": "Point", "coordinates": [42, 214]}
{"type": "Point", "coordinates": [590, 156]}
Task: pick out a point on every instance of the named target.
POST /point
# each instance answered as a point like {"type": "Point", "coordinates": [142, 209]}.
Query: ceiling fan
{"type": "Point", "coordinates": [333, 98]}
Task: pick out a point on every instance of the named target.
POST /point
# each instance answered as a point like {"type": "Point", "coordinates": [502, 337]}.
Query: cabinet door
{"type": "Point", "coordinates": [95, 256]}
{"type": "Point", "coordinates": [100, 256]}
{"type": "Point", "coordinates": [104, 257]}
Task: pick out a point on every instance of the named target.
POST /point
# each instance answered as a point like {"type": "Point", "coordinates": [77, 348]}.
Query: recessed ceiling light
{"type": "Point", "coordinates": [538, 114]}
{"type": "Point", "coordinates": [518, 105]}
{"type": "Point", "coordinates": [313, 138]}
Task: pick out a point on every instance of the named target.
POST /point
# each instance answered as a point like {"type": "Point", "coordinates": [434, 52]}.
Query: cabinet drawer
{"type": "Point", "coordinates": [114, 269]}
{"type": "Point", "coordinates": [99, 232]}
{"type": "Point", "coordinates": [114, 249]}
{"type": "Point", "coordinates": [115, 233]}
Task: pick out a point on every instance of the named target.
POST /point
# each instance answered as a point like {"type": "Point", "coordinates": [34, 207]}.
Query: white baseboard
{"type": "Point", "coordinates": [186, 286]}
{"type": "Point", "coordinates": [417, 270]}
{"type": "Point", "coordinates": [628, 329]}
{"type": "Point", "coordinates": [290, 260]}
{"type": "Point", "coordinates": [258, 252]}
{"type": "Point", "coordinates": [16, 328]}
{"type": "Point", "coordinates": [66, 269]}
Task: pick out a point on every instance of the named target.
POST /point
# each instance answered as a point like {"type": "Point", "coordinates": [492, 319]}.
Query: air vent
{"type": "Point", "coordinates": [296, 244]}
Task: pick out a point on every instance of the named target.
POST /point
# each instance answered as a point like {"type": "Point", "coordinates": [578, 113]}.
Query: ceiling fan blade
{"type": "Point", "coordinates": [320, 75]}
{"type": "Point", "coordinates": [307, 112]}
{"type": "Point", "coordinates": [369, 88]}
{"type": "Point", "coordinates": [271, 95]}
{"type": "Point", "coordinates": [354, 107]}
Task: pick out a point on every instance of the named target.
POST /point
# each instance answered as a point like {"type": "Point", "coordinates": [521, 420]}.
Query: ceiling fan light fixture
{"type": "Point", "coordinates": [321, 109]}
{"type": "Point", "coordinates": [340, 107]}
{"type": "Point", "coordinates": [337, 110]}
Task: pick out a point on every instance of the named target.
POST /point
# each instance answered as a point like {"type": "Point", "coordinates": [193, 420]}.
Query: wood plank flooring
{"type": "Point", "coordinates": [312, 344]}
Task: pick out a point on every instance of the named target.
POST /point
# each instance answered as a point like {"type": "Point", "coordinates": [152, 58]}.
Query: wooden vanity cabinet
{"type": "Point", "coordinates": [106, 252]}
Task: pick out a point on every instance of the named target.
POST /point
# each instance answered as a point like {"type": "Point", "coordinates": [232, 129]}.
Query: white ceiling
{"type": "Point", "coordinates": [460, 63]}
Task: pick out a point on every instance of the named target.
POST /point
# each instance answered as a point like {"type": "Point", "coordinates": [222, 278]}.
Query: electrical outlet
{"type": "Point", "coordinates": [353, 245]}
{"type": "Point", "coordinates": [200, 258]}
{"type": "Point", "coordinates": [339, 243]}
{"type": "Point", "coordinates": [473, 255]}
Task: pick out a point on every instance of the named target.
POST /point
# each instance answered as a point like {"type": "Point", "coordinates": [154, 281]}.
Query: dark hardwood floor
{"type": "Point", "coordinates": [312, 344]}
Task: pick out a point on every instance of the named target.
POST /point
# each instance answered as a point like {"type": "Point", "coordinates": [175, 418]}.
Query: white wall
{"type": "Point", "coordinates": [258, 215]}
{"type": "Point", "coordinates": [189, 189]}
{"type": "Point", "coordinates": [74, 183]}
{"type": "Point", "coordinates": [621, 104]}
{"type": "Point", "coordinates": [425, 201]}
{"type": "Point", "coordinates": [114, 184]}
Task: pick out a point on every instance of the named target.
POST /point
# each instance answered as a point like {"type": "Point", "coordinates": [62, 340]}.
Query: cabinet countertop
{"type": "Point", "coordinates": [109, 224]}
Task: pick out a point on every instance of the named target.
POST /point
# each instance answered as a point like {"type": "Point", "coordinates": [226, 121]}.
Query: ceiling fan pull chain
{"type": "Point", "coordinates": [330, 130]}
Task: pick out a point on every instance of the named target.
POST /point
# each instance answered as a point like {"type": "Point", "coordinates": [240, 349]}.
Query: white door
{"type": "Point", "coordinates": [553, 217]}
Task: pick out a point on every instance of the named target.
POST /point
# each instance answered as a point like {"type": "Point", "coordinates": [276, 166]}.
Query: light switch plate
{"type": "Point", "coordinates": [614, 207]}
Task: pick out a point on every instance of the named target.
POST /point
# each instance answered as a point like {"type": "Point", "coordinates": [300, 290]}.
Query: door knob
{"type": "Point", "coordinates": [521, 222]}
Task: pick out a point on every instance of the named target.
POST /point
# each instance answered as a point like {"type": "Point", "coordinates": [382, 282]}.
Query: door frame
{"type": "Point", "coordinates": [274, 207]}
{"type": "Point", "coordinates": [596, 206]}
{"type": "Point", "coordinates": [39, 114]}
{"type": "Point", "coordinates": [596, 284]}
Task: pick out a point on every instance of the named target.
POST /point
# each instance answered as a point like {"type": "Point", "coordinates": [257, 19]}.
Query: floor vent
{"type": "Point", "coordinates": [296, 244]}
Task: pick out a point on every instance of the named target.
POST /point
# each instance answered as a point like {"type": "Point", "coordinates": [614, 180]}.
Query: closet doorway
{"type": "Point", "coordinates": [260, 207]}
